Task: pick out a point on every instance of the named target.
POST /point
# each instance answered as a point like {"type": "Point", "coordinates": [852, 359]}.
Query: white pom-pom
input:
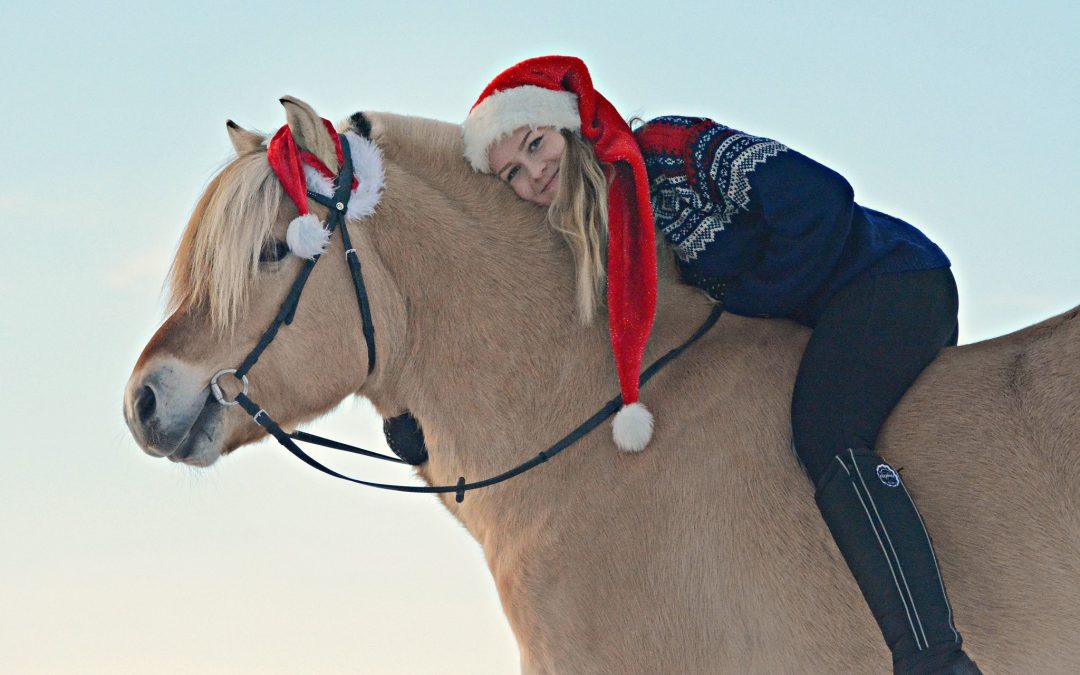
{"type": "Point", "coordinates": [632, 427]}
{"type": "Point", "coordinates": [307, 237]}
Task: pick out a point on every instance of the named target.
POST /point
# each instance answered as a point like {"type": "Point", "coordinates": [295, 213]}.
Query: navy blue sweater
{"type": "Point", "coordinates": [781, 232]}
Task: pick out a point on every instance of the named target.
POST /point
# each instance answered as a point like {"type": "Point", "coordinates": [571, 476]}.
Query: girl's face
{"type": "Point", "coordinates": [528, 161]}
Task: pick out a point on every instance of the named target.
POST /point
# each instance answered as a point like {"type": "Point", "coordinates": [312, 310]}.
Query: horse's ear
{"type": "Point", "coordinates": [309, 133]}
{"type": "Point", "coordinates": [243, 141]}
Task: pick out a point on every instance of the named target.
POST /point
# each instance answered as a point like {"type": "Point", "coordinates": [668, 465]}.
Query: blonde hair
{"type": "Point", "coordinates": [579, 212]}
{"type": "Point", "coordinates": [218, 257]}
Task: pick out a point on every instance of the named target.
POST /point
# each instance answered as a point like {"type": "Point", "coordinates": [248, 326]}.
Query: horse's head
{"type": "Point", "coordinates": [231, 273]}
{"type": "Point", "coordinates": [435, 228]}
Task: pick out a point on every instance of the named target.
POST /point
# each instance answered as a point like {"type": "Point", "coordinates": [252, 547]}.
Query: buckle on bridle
{"type": "Point", "coordinates": [215, 388]}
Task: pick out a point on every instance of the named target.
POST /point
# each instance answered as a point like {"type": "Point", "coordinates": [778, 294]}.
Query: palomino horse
{"type": "Point", "coordinates": [703, 553]}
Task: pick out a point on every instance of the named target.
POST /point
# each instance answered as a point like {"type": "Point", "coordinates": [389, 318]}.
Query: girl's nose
{"type": "Point", "coordinates": [536, 170]}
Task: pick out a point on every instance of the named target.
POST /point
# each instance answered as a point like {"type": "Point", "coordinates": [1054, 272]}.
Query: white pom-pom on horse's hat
{"type": "Point", "coordinates": [557, 91]}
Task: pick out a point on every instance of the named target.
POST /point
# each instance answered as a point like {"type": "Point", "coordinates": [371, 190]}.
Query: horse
{"type": "Point", "coordinates": [704, 553]}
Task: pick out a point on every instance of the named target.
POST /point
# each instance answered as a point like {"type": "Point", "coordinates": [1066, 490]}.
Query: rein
{"type": "Point", "coordinates": [336, 220]}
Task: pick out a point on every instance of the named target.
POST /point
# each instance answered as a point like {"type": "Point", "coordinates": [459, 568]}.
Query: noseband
{"type": "Point", "coordinates": [337, 206]}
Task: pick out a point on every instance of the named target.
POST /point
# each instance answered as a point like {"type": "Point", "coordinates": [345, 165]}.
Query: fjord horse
{"type": "Point", "coordinates": [702, 554]}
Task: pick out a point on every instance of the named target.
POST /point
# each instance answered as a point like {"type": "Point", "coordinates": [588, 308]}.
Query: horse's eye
{"type": "Point", "coordinates": [273, 251]}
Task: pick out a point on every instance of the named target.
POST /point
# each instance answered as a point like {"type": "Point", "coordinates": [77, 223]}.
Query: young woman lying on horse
{"type": "Point", "coordinates": [768, 232]}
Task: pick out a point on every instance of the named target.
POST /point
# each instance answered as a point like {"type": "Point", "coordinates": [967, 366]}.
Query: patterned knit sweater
{"type": "Point", "coordinates": [781, 232]}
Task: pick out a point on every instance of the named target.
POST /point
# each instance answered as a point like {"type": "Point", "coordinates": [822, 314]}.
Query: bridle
{"type": "Point", "coordinates": [337, 205]}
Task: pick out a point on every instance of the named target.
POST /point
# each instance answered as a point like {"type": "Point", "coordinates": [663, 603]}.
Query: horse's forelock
{"type": "Point", "coordinates": [218, 255]}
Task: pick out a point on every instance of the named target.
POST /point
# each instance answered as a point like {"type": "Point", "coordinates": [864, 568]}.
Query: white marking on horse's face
{"type": "Point", "coordinates": [169, 410]}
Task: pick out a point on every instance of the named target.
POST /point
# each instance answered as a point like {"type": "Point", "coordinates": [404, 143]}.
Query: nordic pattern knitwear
{"type": "Point", "coordinates": [780, 232]}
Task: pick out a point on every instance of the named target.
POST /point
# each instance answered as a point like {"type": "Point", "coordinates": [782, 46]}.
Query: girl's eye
{"type": "Point", "coordinates": [273, 251]}
{"type": "Point", "coordinates": [534, 145]}
{"type": "Point", "coordinates": [511, 173]}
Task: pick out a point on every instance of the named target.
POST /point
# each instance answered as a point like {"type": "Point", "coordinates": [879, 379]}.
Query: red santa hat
{"type": "Point", "coordinates": [299, 171]}
{"type": "Point", "coordinates": [557, 91]}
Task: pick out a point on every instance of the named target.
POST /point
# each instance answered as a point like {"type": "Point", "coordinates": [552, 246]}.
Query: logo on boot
{"type": "Point", "coordinates": [887, 475]}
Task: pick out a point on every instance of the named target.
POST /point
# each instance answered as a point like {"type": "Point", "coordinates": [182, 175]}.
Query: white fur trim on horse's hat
{"type": "Point", "coordinates": [502, 112]}
{"type": "Point", "coordinates": [632, 428]}
{"type": "Point", "coordinates": [368, 171]}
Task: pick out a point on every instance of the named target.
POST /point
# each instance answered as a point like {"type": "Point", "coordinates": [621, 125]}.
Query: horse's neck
{"type": "Point", "coordinates": [501, 368]}
{"type": "Point", "coordinates": [492, 357]}
{"type": "Point", "coordinates": [496, 381]}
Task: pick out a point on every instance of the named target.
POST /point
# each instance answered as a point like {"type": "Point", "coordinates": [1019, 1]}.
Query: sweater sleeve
{"type": "Point", "coordinates": [806, 211]}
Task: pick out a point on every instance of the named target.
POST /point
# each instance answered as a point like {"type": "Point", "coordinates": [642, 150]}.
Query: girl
{"type": "Point", "coordinates": [769, 232]}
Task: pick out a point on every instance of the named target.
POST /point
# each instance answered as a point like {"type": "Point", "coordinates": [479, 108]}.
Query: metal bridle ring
{"type": "Point", "coordinates": [215, 388]}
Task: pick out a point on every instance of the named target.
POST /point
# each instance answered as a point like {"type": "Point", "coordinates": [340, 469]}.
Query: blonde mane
{"type": "Point", "coordinates": [218, 255]}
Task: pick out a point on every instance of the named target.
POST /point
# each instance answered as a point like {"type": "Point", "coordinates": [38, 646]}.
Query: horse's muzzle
{"type": "Point", "coordinates": [171, 413]}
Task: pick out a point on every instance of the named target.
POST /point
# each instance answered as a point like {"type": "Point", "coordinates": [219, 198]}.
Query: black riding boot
{"type": "Point", "coordinates": [882, 538]}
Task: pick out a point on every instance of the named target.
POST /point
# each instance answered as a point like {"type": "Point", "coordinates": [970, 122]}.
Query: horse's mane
{"type": "Point", "coordinates": [218, 255]}
{"type": "Point", "coordinates": [432, 151]}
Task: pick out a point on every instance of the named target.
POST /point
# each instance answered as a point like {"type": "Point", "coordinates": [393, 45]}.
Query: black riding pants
{"type": "Point", "coordinates": [868, 346]}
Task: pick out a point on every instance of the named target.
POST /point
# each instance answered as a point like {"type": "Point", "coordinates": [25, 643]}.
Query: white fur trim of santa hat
{"type": "Point", "coordinates": [632, 428]}
{"type": "Point", "coordinates": [505, 111]}
{"type": "Point", "coordinates": [368, 170]}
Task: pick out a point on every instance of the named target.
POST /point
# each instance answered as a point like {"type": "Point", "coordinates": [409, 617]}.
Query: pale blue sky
{"type": "Point", "coordinates": [957, 116]}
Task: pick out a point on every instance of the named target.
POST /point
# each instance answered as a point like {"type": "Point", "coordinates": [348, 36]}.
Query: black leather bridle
{"type": "Point", "coordinates": [336, 221]}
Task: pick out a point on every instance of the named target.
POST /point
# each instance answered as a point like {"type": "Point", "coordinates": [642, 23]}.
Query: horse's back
{"type": "Point", "coordinates": [988, 439]}
{"type": "Point", "coordinates": [1018, 395]}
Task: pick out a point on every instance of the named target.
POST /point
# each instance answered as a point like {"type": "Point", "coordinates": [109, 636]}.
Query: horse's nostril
{"type": "Point", "coordinates": [145, 404]}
